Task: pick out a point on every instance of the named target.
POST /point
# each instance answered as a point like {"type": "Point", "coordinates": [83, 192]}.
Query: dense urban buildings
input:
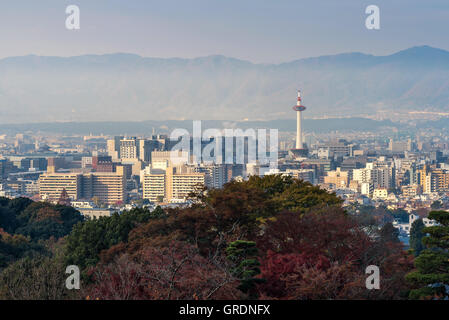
{"type": "Point", "coordinates": [407, 171]}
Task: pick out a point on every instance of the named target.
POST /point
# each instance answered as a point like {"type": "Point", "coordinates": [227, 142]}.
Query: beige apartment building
{"type": "Point", "coordinates": [339, 178]}
{"type": "Point", "coordinates": [107, 187]}
{"type": "Point", "coordinates": [172, 184]}
{"type": "Point", "coordinates": [154, 185]}
{"type": "Point", "coordinates": [180, 185]}
{"type": "Point", "coordinates": [380, 193]}
{"type": "Point", "coordinates": [51, 185]}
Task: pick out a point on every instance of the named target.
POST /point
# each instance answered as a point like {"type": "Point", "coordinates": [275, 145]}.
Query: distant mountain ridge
{"type": "Point", "coordinates": [127, 87]}
{"type": "Point", "coordinates": [145, 128]}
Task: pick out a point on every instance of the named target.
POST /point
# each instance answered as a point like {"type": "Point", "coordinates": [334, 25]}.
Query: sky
{"type": "Point", "coordinates": [268, 31]}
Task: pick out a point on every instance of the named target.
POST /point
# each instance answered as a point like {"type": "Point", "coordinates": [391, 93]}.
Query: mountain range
{"type": "Point", "coordinates": [127, 87]}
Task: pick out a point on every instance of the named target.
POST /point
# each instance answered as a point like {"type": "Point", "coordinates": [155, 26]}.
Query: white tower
{"type": "Point", "coordinates": [299, 109]}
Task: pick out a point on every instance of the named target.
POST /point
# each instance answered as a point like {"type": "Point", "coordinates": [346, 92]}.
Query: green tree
{"type": "Point", "coordinates": [9, 211]}
{"type": "Point", "coordinates": [432, 274]}
{"type": "Point", "coordinates": [41, 220]}
{"type": "Point", "coordinates": [37, 278]}
{"type": "Point", "coordinates": [246, 266]}
{"type": "Point", "coordinates": [416, 235]}
{"type": "Point", "coordinates": [89, 238]}
{"type": "Point", "coordinates": [14, 247]}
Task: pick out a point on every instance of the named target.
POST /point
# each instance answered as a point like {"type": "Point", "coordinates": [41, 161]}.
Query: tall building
{"type": "Point", "coordinates": [146, 147]}
{"type": "Point", "coordinates": [173, 184]}
{"type": "Point", "coordinates": [113, 147]}
{"type": "Point", "coordinates": [433, 179]}
{"type": "Point", "coordinates": [338, 178]}
{"type": "Point", "coordinates": [102, 164]}
{"type": "Point", "coordinates": [172, 158]}
{"type": "Point", "coordinates": [381, 176]}
{"type": "Point", "coordinates": [129, 148]}
{"type": "Point", "coordinates": [339, 148]}
{"type": "Point", "coordinates": [180, 185]}
{"type": "Point", "coordinates": [153, 184]}
{"type": "Point", "coordinates": [107, 187]}
{"type": "Point", "coordinates": [6, 167]}
{"type": "Point", "coordinates": [400, 146]}
{"type": "Point", "coordinates": [51, 185]}
{"type": "Point", "coordinates": [53, 164]}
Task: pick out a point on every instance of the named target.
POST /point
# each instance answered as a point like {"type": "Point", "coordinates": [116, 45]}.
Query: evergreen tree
{"type": "Point", "coordinates": [431, 279]}
{"type": "Point", "coordinates": [389, 233]}
{"type": "Point", "coordinates": [243, 254]}
{"type": "Point", "coordinates": [416, 235]}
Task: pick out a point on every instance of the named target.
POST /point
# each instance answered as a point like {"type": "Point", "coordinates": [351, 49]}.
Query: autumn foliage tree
{"type": "Point", "coordinates": [272, 237]}
{"type": "Point", "coordinates": [323, 255]}
{"type": "Point", "coordinates": [174, 272]}
{"type": "Point", "coordinates": [308, 247]}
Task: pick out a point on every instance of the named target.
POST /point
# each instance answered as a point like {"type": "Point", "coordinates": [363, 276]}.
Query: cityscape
{"type": "Point", "coordinates": [100, 175]}
{"type": "Point", "coordinates": [216, 159]}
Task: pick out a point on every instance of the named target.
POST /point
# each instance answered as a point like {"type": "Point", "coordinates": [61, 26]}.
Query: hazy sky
{"type": "Point", "coordinates": [255, 30]}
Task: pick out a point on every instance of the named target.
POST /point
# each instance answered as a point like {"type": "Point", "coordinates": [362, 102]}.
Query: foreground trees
{"type": "Point", "coordinates": [29, 233]}
{"type": "Point", "coordinates": [37, 220]}
{"type": "Point", "coordinates": [174, 272]}
{"type": "Point", "coordinates": [88, 239]}
{"type": "Point", "coordinates": [431, 279]}
{"type": "Point", "coordinates": [416, 235]}
{"type": "Point", "coordinates": [323, 255]}
{"type": "Point", "coordinates": [244, 257]}
{"type": "Point", "coordinates": [37, 278]}
{"type": "Point", "coordinates": [273, 237]}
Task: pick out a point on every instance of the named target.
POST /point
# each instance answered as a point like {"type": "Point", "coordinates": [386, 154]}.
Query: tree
{"type": "Point", "coordinates": [10, 209]}
{"type": "Point", "coordinates": [64, 198]}
{"type": "Point", "coordinates": [416, 235]}
{"type": "Point", "coordinates": [389, 233]}
{"type": "Point", "coordinates": [323, 255]}
{"type": "Point", "coordinates": [37, 278]}
{"type": "Point", "coordinates": [431, 279]}
{"type": "Point", "coordinates": [15, 247]}
{"type": "Point", "coordinates": [298, 239]}
{"type": "Point", "coordinates": [246, 266]}
{"type": "Point", "coordinates": [436, 205]}
{"type": "Point", "coordinates": [41, 220]}
{"type": "Point", "coordinates": [88, 239]}
{"type": "Point", "coordinates": [163, 273]}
